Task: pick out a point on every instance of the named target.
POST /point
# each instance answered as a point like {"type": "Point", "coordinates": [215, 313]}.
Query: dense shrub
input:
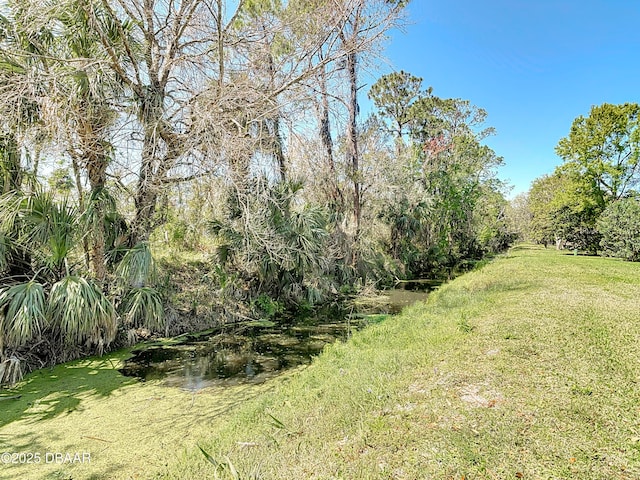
{"type": "Point", "coordinates": [619, 225]}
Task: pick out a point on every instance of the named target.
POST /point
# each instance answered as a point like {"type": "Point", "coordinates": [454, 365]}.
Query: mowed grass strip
{"type": "Point", "coordinates": [527, 368]}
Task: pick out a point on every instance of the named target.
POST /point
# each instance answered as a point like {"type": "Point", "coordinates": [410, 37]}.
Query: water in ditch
{"type": "Point", "coordinates": [251, 354]}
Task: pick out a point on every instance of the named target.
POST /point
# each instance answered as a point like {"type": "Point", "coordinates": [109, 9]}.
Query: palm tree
{"type": "Point", "coordinates": [20, 55]}
{"type": "Point", "coordinates": [61, 82]}
{"type": "Point", "coordinates": [80, 312]}
{"type": "Point", "coordinates": [49, 299]}
{"type": "Point", "coordinates": [282, 249]}
{"type": "Point", "coordinates": [23, 314]}
{"type": "Point", "coordinates": [86, 98]}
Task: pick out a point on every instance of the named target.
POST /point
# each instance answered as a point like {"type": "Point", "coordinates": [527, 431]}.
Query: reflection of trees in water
{"type": "Point", "coordinates": [235, 358]}
{"type": "Point", "coordinates": [218, 364]}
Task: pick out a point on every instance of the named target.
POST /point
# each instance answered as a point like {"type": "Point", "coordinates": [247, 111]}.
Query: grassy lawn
{"type": "Point", "coordinates": [527, 368]}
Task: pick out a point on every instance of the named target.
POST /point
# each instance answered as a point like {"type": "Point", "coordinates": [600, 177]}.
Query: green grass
{"type": "Point", "coordinates": [130, 429]}
{"type": "Point", "coordinates": [527, 368]}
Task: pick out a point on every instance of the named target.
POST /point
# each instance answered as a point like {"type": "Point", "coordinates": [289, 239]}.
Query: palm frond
{"type": "Point", "coordinates": [100, 205]}
{"type": "Point", "coordinates": [137, 267]}
{"type": "Point", "coordinates": [81, 312]}
{"type": "Point", "coordinates": [48, 226]}
{"type": "Point", "coordinates": [10, 370]}
{"type": "Point", "coordinates": [11, 205]}
{"type": "Point", "coordinates": [143, 307]}
{"type": "Point", "coordinates": [4, 252]}
{"type": "Point", "coordinates": [22, 313]}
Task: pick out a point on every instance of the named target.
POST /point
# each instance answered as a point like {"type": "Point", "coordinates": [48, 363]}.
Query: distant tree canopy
{"type": "Point", "coordinates": [605, 148]}
{"type": "Point", "coordinates": [585, 202]}
{"type": "Point", "coordinates": [451, 207]}
{"type": "Point", "coordinates": [563, 209]}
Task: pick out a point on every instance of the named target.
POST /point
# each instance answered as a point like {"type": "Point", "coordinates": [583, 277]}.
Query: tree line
{"type": "Point", "coordinates": [590, 202]}
{"type": "Point", "coordinates": [232, 130]}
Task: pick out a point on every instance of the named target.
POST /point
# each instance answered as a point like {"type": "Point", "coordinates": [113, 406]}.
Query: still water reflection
{"type": "Point", "coordinates": [254, 354]}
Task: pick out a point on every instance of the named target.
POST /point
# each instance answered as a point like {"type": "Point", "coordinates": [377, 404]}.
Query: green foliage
{"type": "Point", "coordinates": [51, 225]}
{"type": "Point", "coordinates": [22, 314]}
{"type": "Point", "coordinates": [183, 234]}
{"type": "Point", "coordinates": [60, 181]}
{"type": "Point", "coordinates": [143, 307]}
{"type": "Point", "coordinates": [4, 252]}
{"type": "Point", "coordinates": [605, 148]}
{"type": "Point", "coordinates": [564, 208]}
{"type": "Point", "coordinates": [101, 205]}
{"type": "Point", "coordinates": [61, 304]}
{"type": "Point", "coordinates": [81, 313]}
{"type": "Point", "coordinates": [619, 225]}
{"type": "Point", "coordinates": [10, 169]}
{"type": "Point", "coordinates": [278, 248]}
{"type": "Point", "coordinates": [541, 196]}
{"type": "Point", "coordinates": [449, 207]}
{"type": "Point", "coordinates": [43, 229]}
{"type": "Point", "coordinates": [494, 233]}
{"type": "Point", "coordinates": [269, 307]}
{"type": "Point", "coordinates": [137, 267]}
{"type": "Point", "coordinates": [518, 216]}
{"type": "Point", "coordinates": [393, 95]}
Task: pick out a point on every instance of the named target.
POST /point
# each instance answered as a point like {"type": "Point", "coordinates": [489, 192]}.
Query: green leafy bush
{"type": "Point", "coordinates": [267, 306]}
{"type": "Point", "coordinates": [619, 225]}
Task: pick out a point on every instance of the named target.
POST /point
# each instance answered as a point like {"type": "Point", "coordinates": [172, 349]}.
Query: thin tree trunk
{"type": "Point", "coordinates": [279, 151]}
{"type": "Point", "coordinates": [353, 155]}
{"type": "Point", "coordinates": [85, 242]}
{"type": "Point", "coordinates": [36, 162]}
{"type": "Point", "coordinates": [96, 169]}
{"type": "Point", "coordinates": [277, 138]}
{"type": "Point", "coordinates": [10, 157]}
{"type": "Point", "coordinates": [146, 193]}
{"type": "Point", "coordinates": [327, 142]}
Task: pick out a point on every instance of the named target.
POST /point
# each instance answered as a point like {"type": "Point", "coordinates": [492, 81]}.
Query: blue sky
{"type": "Point", "coordinates": [533, 65]}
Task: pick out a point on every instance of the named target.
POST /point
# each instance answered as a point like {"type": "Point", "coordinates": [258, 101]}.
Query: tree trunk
{"type": "Point", "coordinates": [96, 170]}
{"type": "Point", "coordinates": [279, 151]}
{"type": "Point", "coordinates": [158, 153]}
{"type": "Point", "coordinates": [10, 167]}
{"type": "Point", "coordinates": [146, 192]}
{"type": "Point", "coordinates": [353, 155]}
{"type": "Point", "coordinates": [81, 204]}
{"type": "Point", "coordinates": [277, 138]}
{"type": "Point", "coordinates": [327, 142]}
